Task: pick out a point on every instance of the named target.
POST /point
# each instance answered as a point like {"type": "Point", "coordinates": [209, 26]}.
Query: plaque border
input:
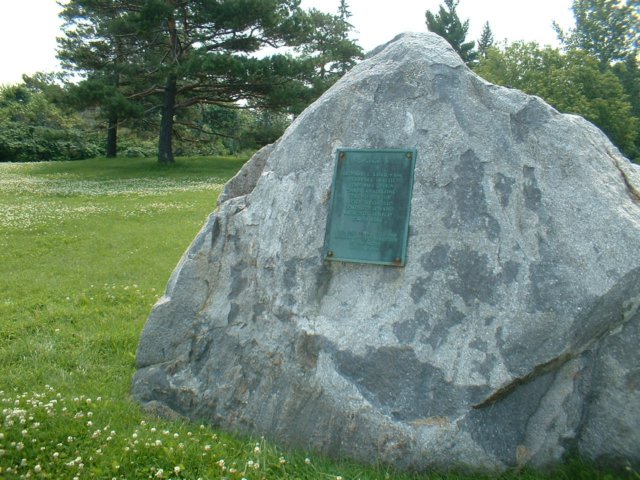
{"type": "Point", "coordinates": [405, 229]}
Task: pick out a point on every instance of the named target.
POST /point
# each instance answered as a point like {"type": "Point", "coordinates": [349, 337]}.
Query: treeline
{"type": "Point", "coordinates": [594, 74]}
{"type": "Point", "coordinates": [169, 77]}
{"type": "Point", "coordinates": [191, 77]}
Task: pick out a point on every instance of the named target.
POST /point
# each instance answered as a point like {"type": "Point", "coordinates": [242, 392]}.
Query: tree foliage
{"type": "Point", "coordinates": [448, 25]}
{"type": "Point", "coordinates": [170, 55]}
{"type": "Point", "coordinates": [34, 128]}
{"type": "Point", "coordinates": [572, 82]}
{"type": "Point", "coordinates": [486, 40]}
{"type": "Point", "coordinates": [607, 29]}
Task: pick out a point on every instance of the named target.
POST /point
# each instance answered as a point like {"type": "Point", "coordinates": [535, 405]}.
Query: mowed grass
{"type": "Point", "coordinates": [86, 249]}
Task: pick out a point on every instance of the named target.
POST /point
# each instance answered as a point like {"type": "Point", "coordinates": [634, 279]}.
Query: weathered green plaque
{"type": "Point", "coordinates": [368, 219]}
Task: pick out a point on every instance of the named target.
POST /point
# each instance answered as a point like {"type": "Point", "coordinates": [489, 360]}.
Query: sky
{"type": "Point", "coordinates": [30, 27]}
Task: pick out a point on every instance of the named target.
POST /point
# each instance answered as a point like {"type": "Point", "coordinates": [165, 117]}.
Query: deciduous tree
{"type": "Point", "coordinates": [572, 82]}
{"type": "Point", "coordinates": [607, 29]}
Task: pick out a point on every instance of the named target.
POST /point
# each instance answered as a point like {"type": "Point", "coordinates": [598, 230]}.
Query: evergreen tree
{"type": "Point", "coordinates": [177, 54]}
{"type": "Point", "coordinates": [93, 48]}
{"type": "Point", "coordinates": [447, 24]}
{"type": "Point", "coordinates": [343, 11]}
{"type": "Point", "coordinates": [327, 47]}
{"type": "Point", "coordinates": [486, 40]}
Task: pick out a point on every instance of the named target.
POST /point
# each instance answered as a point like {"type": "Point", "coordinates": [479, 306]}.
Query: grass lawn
{"type": "Point", "coordinates": [85, 250]}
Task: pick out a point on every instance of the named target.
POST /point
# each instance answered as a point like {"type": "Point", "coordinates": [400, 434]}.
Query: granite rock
{"type": "Point", "coordinates": [508, 339]}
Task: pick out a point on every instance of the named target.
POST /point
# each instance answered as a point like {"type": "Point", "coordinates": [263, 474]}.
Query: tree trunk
{"type": "Point", "coordinates": [165, 146]}
{"type": "Point", "coordinates": [112, 137]}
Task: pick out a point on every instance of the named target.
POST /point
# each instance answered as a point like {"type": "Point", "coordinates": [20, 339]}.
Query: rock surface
{"type": "Point", "coordinates": [510, 337]}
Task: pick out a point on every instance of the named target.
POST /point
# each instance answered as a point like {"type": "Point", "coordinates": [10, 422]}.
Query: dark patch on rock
{"type": "Point", "coordinates": [238, 281]}
{"type": "Point", "coordinates": [530, 191]}
{"type": "Point", "coordinates": [396, 382]}
{"type": "Point", "coordinates": [467, 189]}
{"type": "Point", "coordinates": [233, 312]}
{"type": "Point", "coordinates": [504, 187]}
{"type": "Point", "coordinates": [419, 288]}
{"type": "Point", "coordinates": [500, 428]}
{"type": "Point", "coordinates": [529, 119]}
{"type": "Point", "coordinates": [474, 281]}
{"type": "Point", "coordinates": [307, 348]}
{"type": "Point", "coordinates": [436, 259]}
{"type": "Point", "coordinates": [405, 331]}
{"type": "Point", "coordinates": [439, 328]}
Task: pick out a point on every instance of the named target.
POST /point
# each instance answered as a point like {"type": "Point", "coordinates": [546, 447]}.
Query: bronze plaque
{"type": "Point", "coordinates": [368, 219]}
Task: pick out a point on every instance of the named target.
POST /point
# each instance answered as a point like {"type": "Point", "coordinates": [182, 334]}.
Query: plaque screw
{"type": "Point", "coordinates": [409, 155]}
{"type": "Point", "coordinates": [330, 253]}
{"type": "Point", "coordinates": [341, 156]}
{"type": "Point", "coordinates": [397, 260]}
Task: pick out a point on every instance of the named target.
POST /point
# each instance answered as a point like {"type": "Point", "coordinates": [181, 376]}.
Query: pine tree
{"type": "Point", "coordinates": [486, 40]}
{"type": "Point", "coordinates": [343, 11]}
{"type": "Point", "coordinates": [93, 48]}
{"type": "Point", "coordinates": [447, 24]}
{"type": "Point", "coordinates": [177, 54]}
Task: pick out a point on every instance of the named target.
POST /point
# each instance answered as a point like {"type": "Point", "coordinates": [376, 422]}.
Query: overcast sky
{"type": "Point", "coordinates": [30, 27]}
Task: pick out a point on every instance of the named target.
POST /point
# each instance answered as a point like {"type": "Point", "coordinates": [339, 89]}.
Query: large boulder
{"type": "Point", "coordinates": [509, 338]}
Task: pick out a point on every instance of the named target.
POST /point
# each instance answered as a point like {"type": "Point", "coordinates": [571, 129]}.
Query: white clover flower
{"type": "Point", "coordinates": [19, 446]}
{"type": "Point", "coordinates": [23, 462]}
{"type": "Point", "coordinates": [159, 473]}
{"type": "Point", "coordinates": [307, 461]}
{"type": "Point", "coordinates": [176, 470]}
{"type": "Point", "coordinates": [153, 430]}
{"type": "Point", "coordinates": [37, 468]}
{"type": "Point", "coordinates": [207, 448]}
{"type": "Point", "coordinates": [158, 443]}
